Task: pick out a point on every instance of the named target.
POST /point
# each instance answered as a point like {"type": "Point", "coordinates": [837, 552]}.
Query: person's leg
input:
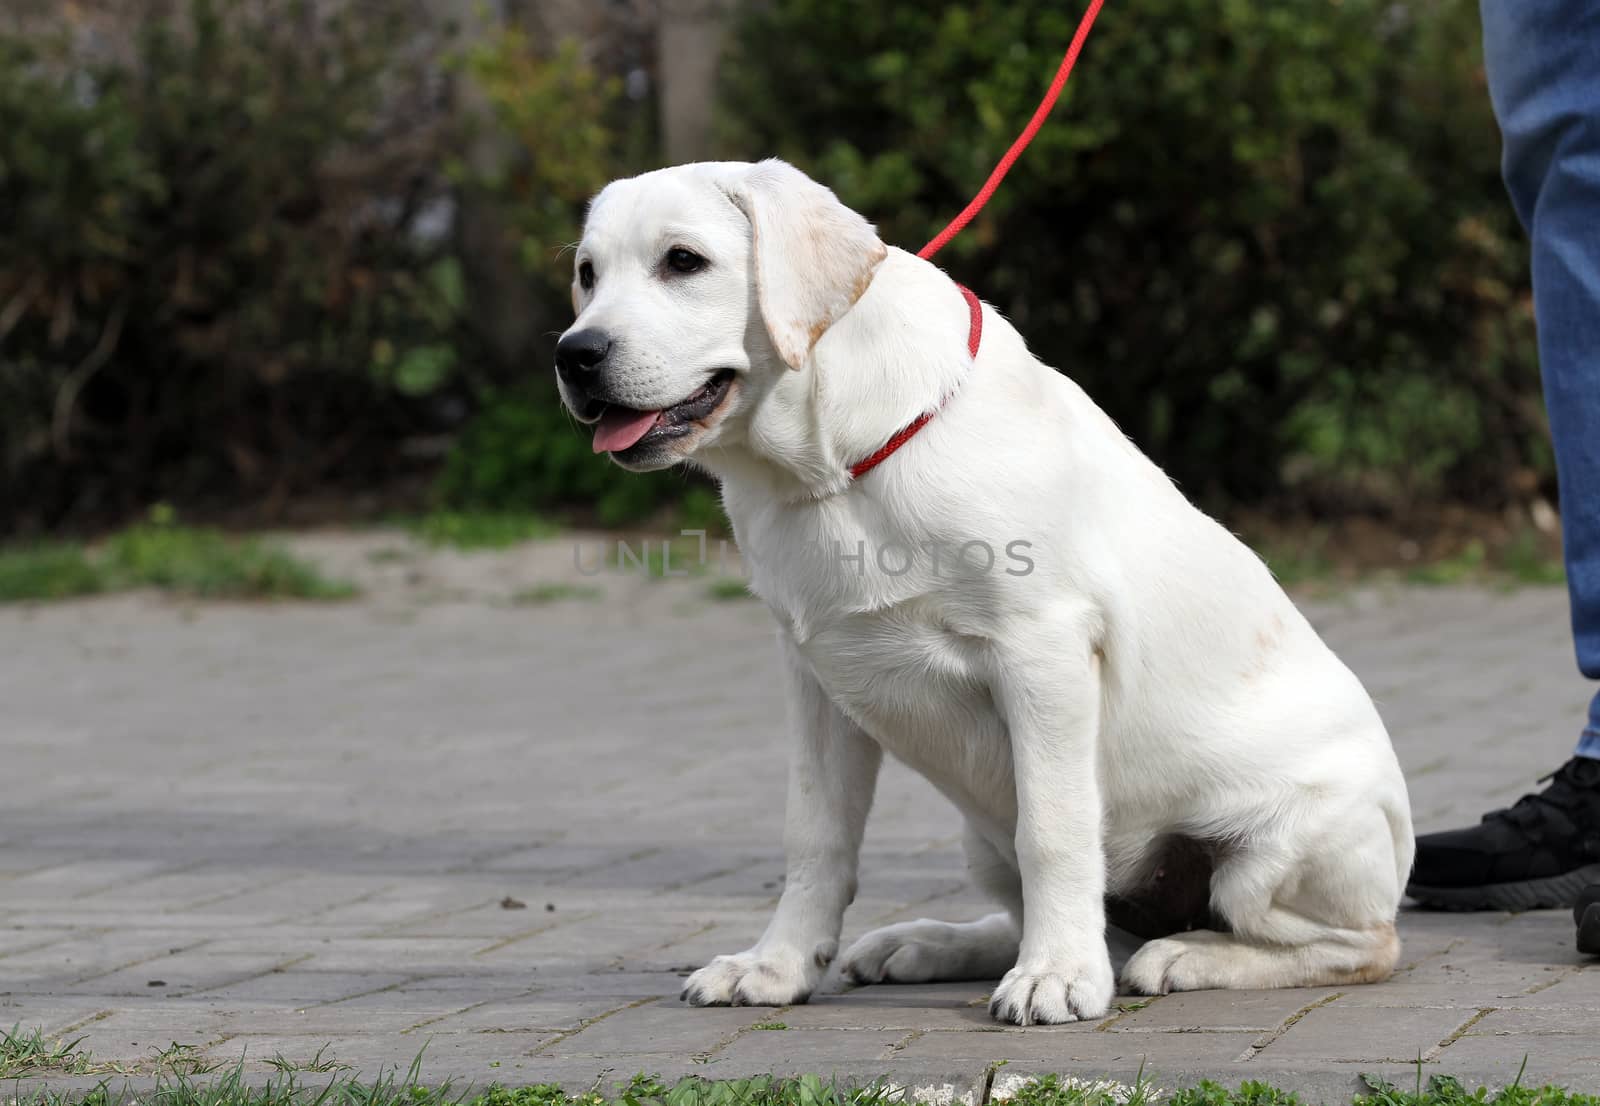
{"type": "Point", "coordinates": [1543, 63]}
{"type": "Point", "coordinates": [1589, 743]}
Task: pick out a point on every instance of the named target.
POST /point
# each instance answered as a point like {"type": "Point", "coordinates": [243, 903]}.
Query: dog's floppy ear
{"type": "Point", "coordinates": [813, 256]}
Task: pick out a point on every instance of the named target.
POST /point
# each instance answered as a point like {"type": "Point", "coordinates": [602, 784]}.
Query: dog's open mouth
{"type": "Point", "coordinates": [622, 428]}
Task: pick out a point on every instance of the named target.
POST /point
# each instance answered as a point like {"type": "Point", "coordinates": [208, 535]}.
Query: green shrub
{"type": "Point", "coordinates": [235, 274]}
{"type": "Point", "coordinates": [216, 273]}
{"type": "Point", "coordinates": [554, 115]}
{"type": "Point", "coordinates": [1270, 240]}
{"type": "Point", "coordinates": [523, 450]}
{"type": "Point", "coordinates": [564, 128]}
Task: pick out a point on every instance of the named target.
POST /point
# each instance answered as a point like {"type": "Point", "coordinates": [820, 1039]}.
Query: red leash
{"type": "Point", "coordinates": [959, 223]}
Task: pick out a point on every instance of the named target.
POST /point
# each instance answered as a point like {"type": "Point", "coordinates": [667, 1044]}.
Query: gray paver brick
{"type": "Point", "coordinates": [1205, 1010]}
{"type": "Point", "coordinates": [309, 986]}
{"type": "Point", "coordinates": [762, 1049]}
{"type": "Point", "coordinates": [1347, 1034]}
{"type": "Point", "coordinates": [186, 972]}
{"type": "Point", "coordinates": [384, 956]}
{"type": "Point", "coordinates": [389, 1022]}
{"type": "Point", "coordinates": [659, 1027]}
{"type": "Point", "coordinates": [132, 1036]}
{"type": "Point", "coordinates": [51, 1014]}
{"type": "Point", "coordinates": [534, 1012]}
{"type": "Point", "coordinates": [482, 1058]}
{"type": "Point", "coordinates": [1573, 1059]}
{"type": "Point", "coordinates": [902, 1008]}
{"type": "Point", "coordinates": [1527, 1022]}
{"type": "Point", "coordinates": [1576, 988]}
{"type": "Point", "coordinates": [619, 984]}
{"type": "Point", "coordinates": [89, 953]}
{"type": "Point", "coordinates": [1075, 1045]}
{"type": "Point", "coordinates": [20, 939]}
{"type": "Point", "coordinates": [349, 794]}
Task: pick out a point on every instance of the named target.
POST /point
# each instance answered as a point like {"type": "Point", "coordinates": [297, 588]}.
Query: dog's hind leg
{"type": "Point", "coordinates": [1204, 959]}
{"type": "Point", "coordinates": [925, 950]}
{"type": "Point", "coordinates": [1322, 918]}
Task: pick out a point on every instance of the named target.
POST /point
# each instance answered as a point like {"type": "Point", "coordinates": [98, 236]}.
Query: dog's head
{"type": "Point", "coordinates": [695, 289]}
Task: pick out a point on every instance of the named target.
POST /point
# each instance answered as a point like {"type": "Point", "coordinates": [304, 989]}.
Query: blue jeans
{"type": "Point", "coordinates": [1543, 62]}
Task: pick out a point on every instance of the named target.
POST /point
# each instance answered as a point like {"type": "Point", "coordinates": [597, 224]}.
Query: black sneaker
{"type": "Point", "coordinates": [1587, 915]}
{"type": "Point", "coordinates": [1540, 853]}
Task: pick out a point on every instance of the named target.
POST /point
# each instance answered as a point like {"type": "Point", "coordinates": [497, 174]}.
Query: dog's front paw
{"type": "Point", "coordinates": [1050, 994]}
{"type": "Point", "coordinates": [754, 979]}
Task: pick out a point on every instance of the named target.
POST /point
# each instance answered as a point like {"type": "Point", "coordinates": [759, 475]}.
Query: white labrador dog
{"type": "Point", "coordinates": [1114, 691]}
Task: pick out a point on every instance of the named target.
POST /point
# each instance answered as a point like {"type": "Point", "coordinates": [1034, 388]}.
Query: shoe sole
{"type": "Point", "coordinates": [1589, 931]}
{"type": "Point", "coordinates": [1529, 894]}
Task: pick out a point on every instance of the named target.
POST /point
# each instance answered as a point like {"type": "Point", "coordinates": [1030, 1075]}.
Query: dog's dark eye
{"type": "Point", "coordinates": [586, 276]}
{"type": "Point", "coordinates": [680, 260]}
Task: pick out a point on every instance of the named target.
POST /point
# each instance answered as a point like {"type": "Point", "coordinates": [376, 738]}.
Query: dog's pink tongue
{"type": "Point", "coordinates": [619, 428]}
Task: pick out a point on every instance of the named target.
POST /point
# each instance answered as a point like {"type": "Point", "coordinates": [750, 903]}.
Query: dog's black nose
{"type": "Point", "coordinates": [580, 354]}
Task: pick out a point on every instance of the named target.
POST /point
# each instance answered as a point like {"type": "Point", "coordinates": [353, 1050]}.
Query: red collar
{"type": "Point", "coordinates": [907, 432]}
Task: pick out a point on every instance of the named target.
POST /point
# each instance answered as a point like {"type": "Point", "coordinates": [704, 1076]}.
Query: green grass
{"type": "Point", "coordinates": [661, 558]}
{"type": "Point", "coordinates": [1528, 564]}
{"type": "Point", "coordinates": [160, 554]}
{"type": "Point", "coordinates": [701, 509]}
{"type": "Point", "coordinates": [287, 1087]}
{"type": "Point", "coordinates": [728, 588]}
{"type": "Point", "coordinates": [23, 1054]}
{"type": "Point", "coordinates": [1055, 1090]}
{"type": "Point", "coordinates": [210, 565]}
{"type": "Point", "coordinates": [1308, 560]}
{"type": "Point", "coordinates": [557, 592]}
{"type": "Point", "coordinates": [1445, 1090]}
{"type": "Point", "coordinates": [1469, 564]}
{"type": "Point", "coordinates": [1519, 562]}
{"type": "Point", "coordinates": [47, 572]}
{"type": "Point", "coordinates": [178, 1059]}
{"type": "Point", "coordinates": [1299, 562]}
{"type": "Point", "coordinates": [321, 1062]}
{"type": "Point", "coordinates": [649, 558]}
{"type": "Point", "coordinates": [481, 529]}
{"type": "Point", "coordinates": [231, 1089]}
{"type": "Point", "coordinates": [31, 1055]}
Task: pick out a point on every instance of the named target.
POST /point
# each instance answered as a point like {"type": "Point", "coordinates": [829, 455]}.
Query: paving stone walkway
{"type": "Point", "coordinates": [504, 832]}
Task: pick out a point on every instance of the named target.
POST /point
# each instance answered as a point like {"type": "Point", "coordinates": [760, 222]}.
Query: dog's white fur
{"type": "Point", "coordinates": [1147, 679]}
